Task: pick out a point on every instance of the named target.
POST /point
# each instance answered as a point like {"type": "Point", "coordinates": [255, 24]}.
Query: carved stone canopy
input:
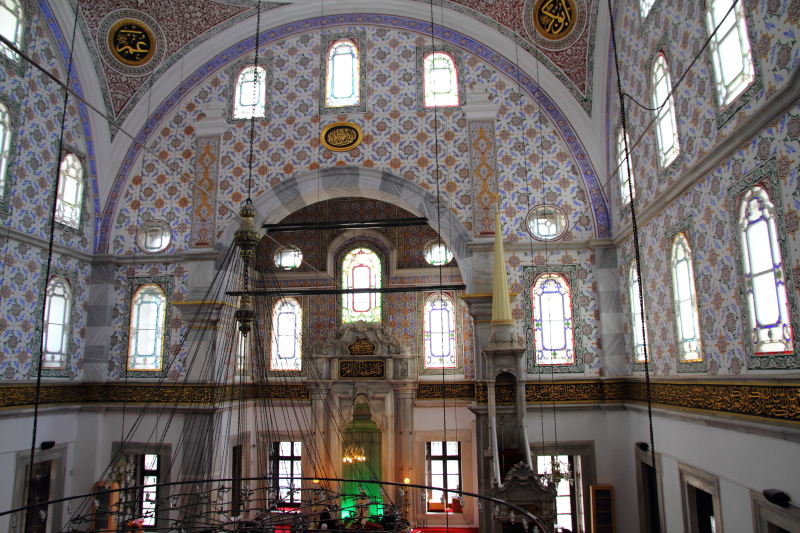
{"type": "Point", "coordinates": [523, 487]}
{"type": "Point", "coordinates": [362, 338]}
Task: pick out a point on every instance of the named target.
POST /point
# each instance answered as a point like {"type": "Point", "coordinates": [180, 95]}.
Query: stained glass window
{"type": "Point", "coordinates": [639, 338]}
{"type": "Point", "coordinates": [287, 338]}
{"type": "Point", "coordinates": [10, 25]}
{"type": "Point", "coordinates": [251, 96]}
{"type": "Point", "coordinates": [685, 297]}
{"type": "Point", "coordinates": [552, 320]}
{"type": "Point", "coordinates": [342, 84]}
{"type": "Point", "coordinates": [5, 146]}
{"type": "Point", "coordinates": [57, 308]}
{"type": "Point", "coordinates": [361, 269]}
{"type": "Point", "coordinates": [730, 48]}
{"type": "Point", "coordinates": [666, 123]}
{"type": "Point", "coordinates": [148, 324]}
{"type": "Point", "coordinates": [626, 182]}
{"type": "Point", "coordinates": [770, 324]}
{"type": "Point", "coordinates": [440, 332]}
{"type": "Point", "coordinates": [70, 191]}
{"type": "Point", "coordinates": [440, 80]}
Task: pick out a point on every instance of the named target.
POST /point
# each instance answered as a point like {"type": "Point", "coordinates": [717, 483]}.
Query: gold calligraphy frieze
{"type": "Point", "coordinates": [131, 42]}
{"type": "Point", "coordinates": [362, 369]}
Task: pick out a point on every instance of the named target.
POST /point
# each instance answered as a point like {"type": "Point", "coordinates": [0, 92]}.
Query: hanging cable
{"type": "Point", "coordinates": [46, 278]}
{"type": "Point", "coordinates": [655, 522]}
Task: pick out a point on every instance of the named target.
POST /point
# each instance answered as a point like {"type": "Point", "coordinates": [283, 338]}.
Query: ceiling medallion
{"type": "Point", "coordinates": [131, 42]}
{"type": "Point", "coordinates": [555, 24]}
{"type": "Point", "coordinates": [341, 136]}
{"type": "Point", "coordinates": [134, 43]}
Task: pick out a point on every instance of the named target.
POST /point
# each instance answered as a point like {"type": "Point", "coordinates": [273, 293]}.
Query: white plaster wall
{"type": "Point", "coordinates": [741, 461]}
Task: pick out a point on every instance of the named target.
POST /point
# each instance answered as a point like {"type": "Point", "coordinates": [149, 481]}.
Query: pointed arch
{"type": "Point", "coordinates": [687, 320]}
{"type": "Point", "coordinates": [362, 268]}
{"type": "Point", "coordinates": [440, 80]}
{"type": "Point", "coordinates": [764, 272]}
{"type": "Point", "coordinates": [666, 121]}
{"type": "Point", "coordinates": [70, 191]}
{"type": "Point", "coordinates": [287, 337]}
{"type": "Point", "coordinates": [552, 320]}
{"type": "Point", "coordinates": [57, 310]}
{"type": "Point", "coordinates": [343, 76]}
{"type": "Point", "coordinates": [147, 328]}
{"type": "Point", "coordinates": [439, 332]}
{"type": "Point", "coordinates": [251, 93]}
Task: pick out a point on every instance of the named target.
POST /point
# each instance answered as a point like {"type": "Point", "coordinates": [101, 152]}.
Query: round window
{"type": "Point", "coordinates": [547, 222]}
{"type": "Point", "coordinates": [437, 253]}
{"type": "Point", "coordinates": [153, 236]}
{"type": "Point", "coordinates": [288, 257]}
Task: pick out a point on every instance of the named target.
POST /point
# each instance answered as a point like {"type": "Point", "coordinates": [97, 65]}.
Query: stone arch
{"type": "Point", "coordinates": [307, 188]}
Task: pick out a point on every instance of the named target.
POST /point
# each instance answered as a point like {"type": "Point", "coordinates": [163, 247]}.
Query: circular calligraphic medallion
{"type": "Point", "coordinates": [131, 42]}
{"type": "Point", "coordinates": [341, 136]}
{"type": "Point", "coordinates": [555, 24]}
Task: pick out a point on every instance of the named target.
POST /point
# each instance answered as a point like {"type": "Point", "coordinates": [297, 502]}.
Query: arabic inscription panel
{"type": "Point", "coordinates": [131, 42]}
{"type": "Point", "coordinates": [555, 24]}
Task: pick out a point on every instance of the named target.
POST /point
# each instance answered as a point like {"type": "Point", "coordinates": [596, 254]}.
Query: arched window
{"type": "Point", "coordinates": [770, 325]}
{"type": "Point", "coordinates": [626, 182]}
{"type": "Point", "coordinates": [552, 320]}
{"type": "Point", "coordinates": [439, 316]}
{"type": "Point", "coordinates": [639, 338]}
{"type": "Point", "coordinates": [342, 83]}
{"type": "Point", "coordinates": [730, 48]}
{"type": "Point", "coordinates": [5, 146]}
{"type": "Point", "coordinates": [10, 25]}
{"type": "Point", "coordinates": [148, 325]}
{"type": "Point", "coordinates": [666, 123]}
{"type": "Point", "coordinates": [645, 6]}
{"type": "Point", "coordinates": [242, 353]}
{"type": "Point", "coordinates": [70, 191]}
{"type": "Point", "coordinates": [287, 338]}
{"type": "Point", "coordinates": [58, 304]}
{"type": "Point", "coordinates": [250, 98]}
{"type": "Point", "coordinates": [440, 79]}
{"type": "Point", "coordinates": [361, 269]}
{"type": "Point", "coordinates": [685, 296]}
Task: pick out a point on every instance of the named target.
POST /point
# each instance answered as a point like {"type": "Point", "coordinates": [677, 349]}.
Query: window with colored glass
{"type": "Point", "coordinates": [440, 332]}
{"type": "Point", "coordinates": [765, 275]}
{"type": "Point", "coordinates": [361, 269]}
{"type": "Point", "coordinates": [552, 320]}
{"type": "Point", "coordinates": [342, 83]}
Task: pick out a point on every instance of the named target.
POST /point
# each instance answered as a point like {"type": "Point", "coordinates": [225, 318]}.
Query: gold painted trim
{"type": "Point", "coordinates": [339, 148]}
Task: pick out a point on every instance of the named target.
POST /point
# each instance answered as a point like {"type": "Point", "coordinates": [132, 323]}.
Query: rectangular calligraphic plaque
{"type": "Point", "coordinates": [362, 370]}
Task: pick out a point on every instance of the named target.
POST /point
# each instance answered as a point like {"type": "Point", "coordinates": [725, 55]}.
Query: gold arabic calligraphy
{"type": "Point", "coordinates": [341, 137]}
{"type": "Point", "coordinates": [131, 42]}
{"type": "Point", "coordinates": [554, 18]}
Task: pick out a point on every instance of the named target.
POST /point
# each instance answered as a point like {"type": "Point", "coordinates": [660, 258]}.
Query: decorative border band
{"type": "Point", "coordinates": [777, 402]}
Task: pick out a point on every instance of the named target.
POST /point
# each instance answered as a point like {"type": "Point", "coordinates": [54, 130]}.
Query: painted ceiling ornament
{"type": "Point", "coordinates": [555, 24]}
{"type": "Point", "coordinates": [341, 136]}
{"type": "Point", "coordinates": [131, 42]}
